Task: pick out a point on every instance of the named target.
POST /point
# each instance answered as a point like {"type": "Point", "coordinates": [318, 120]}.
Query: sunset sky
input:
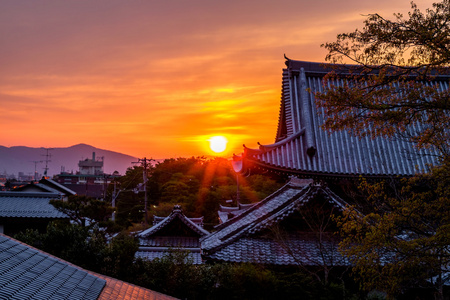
{"type": "Point", "coordinates": [158, 78]}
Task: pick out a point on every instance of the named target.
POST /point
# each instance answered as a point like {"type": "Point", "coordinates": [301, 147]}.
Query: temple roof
{"type": "Point", "coordinates": [173, 233]}
{"type": "Point", "coordinates": [303, 147]}
{"type": "Point", "coordinates": [176, 214]}
{"type": "Point", "coordinates": [240, 239]}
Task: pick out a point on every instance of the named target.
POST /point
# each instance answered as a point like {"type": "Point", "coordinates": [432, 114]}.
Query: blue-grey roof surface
{"type": "Point", "coordinates": [28, 205]}
{"type": "Point", "coordinates": [193, 255]}
{"type": "Point", "coordinates": [238, 239]}
{"type": "Point", "coordinates": [333, 153]}
{"type": "Point", "coordinates": [27, 273]}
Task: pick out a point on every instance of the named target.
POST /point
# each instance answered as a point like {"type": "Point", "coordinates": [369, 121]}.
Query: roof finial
{"type": "Point", "coordinates": [287, 60]}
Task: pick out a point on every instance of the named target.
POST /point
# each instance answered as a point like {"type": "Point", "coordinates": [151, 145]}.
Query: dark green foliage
{"type": "Point", "coordinates": [87, 248]}
{"type": "Point", "coordinates": [174, 274]}
{"type": "Point", "coordinates": [199, 185]}
{"type": "Point", "coordinates": [244, 281]}
{"type": "Point", "coordinates": [404, 241]}
{"type": "Point", "coordinates": [83, 209]}
{"type": "Point", "coordinates": [177, 276]}
{"type": "Point", "coordinates": [118, 256]}
{"type": "Point", "coordinates": [73, 243]}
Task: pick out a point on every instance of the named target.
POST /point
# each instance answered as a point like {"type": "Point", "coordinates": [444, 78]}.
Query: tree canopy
{"type": "Point", "coordinates": [198, 184]}
{"type": "Point", "coordinates": [398, 87]}
{"type": "Point", "coordinates": [404, 242]}
{"type": "Point", "coordinates": [83, 210]}
{"type": "Point", "coordinates": [395, 86]}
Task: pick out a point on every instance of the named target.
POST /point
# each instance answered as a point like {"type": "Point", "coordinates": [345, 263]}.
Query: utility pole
{"type": "Point", "coordinates": [145, 163]}
{"type": "Point", "coordinates": [113, 202]}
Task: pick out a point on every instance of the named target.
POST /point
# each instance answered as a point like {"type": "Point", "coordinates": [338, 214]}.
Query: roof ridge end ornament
{"type": "Point", "coordinates": [283, 141]}
{"type": "Point", "coordinates": [287, 60]}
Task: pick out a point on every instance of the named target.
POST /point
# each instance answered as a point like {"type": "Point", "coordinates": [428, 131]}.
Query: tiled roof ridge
{"type": "Point", "coordinates": [281, 212]}
{"type": "Point", "coordinates": [285, 187]}
{"type": "Point", "coordinates": [58, 185]}
{"type": "Point", "coordinates": [174, 214]}
{"type": "Point", "coordinates": [20, 194]}
{"type": "Point", "coordinates": [263, 221]}
{"type": "Point", "coordinates": [290, 206]}
{"type": "Point", "coordinates": [243, 231]}
{"type": "Point", "coordinates": [322, 68]}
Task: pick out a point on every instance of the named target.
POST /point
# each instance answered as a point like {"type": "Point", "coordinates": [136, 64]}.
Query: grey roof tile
{"type": "Point", "coordinates": [28, 205]}
{"type": "Point", "coordinates": [337, 153]}
{"type": "Point", "coordinates": [237, 240]}
{"type": "Point", "coordinates": [28, 273]}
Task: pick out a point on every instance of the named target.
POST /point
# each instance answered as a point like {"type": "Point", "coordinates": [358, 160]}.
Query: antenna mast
{"type": "Point", "coordinates": [47, 160]}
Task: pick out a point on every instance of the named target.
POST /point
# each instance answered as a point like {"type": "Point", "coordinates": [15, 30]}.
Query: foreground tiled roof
{"type": "Point", "coordinates": [239, 239]}
{"type": "Point", "coordinates": [120, 290]}
{"type": "Point", "coordinates": [28, 205]}
{"type": "Point", "coordinates": [28, 273]}
{"type": "Point", "coordinates": [303, 147]}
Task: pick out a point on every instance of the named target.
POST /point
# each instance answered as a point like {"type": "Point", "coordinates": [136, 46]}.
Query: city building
{"type": "Point", "coordinates": [90, 180]}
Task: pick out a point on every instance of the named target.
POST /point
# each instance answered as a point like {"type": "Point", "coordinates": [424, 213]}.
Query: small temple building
{"type": "Point", "coordinates": [174, 232]}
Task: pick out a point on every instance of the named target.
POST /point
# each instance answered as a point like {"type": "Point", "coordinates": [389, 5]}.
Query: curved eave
{"type": "Point", "coordinates": [253, 164]}
{"type": "Point", "coordinates": [282, 142]}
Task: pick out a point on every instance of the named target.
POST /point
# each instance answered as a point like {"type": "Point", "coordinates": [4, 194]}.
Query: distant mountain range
{"type": "Point", "coordinates": [22, 159]}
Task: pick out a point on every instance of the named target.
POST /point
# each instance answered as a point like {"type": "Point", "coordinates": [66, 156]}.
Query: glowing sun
{"type": "Point", "coordinates": [218, 143]}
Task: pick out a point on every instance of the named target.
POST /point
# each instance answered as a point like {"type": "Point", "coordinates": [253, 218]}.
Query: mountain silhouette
{"type": "Point", "coordinates": [22, 159]}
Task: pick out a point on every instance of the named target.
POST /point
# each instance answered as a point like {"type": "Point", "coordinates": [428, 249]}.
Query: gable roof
{"type": "Point", "coordinates": [46, 185]}
{"type": "Point", "coordinates": [29, 205]}
{"type": "Point", "coordinates": [239, 239]}
{"type": "Point", "coordinates": [156, 242]}
{"type": "Point", "coordinates": [302, 147]}
{"type": "Point", "coordinates": [29, 273]}
{"type": "Point", "coordinates": [57, 186]}
{"type": "Point", "coordinates": [176, 214]}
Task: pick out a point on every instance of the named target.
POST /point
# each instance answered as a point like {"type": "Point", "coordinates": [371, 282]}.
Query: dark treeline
{"type": "Point", "coordinates": [175, 274]}
{"type": "Point", "coordinates": [199, 185]}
